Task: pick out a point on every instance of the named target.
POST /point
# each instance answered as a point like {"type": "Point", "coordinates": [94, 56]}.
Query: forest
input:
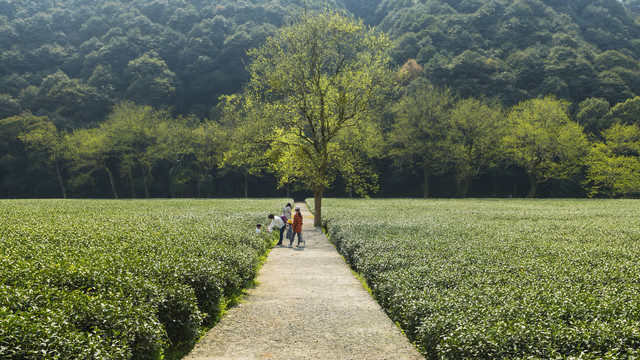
{"type": "Point", "coordinates": [132, 98]}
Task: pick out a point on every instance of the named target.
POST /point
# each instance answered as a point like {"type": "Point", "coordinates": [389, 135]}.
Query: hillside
{"type": "Point", "coordinates": [72, 69]}
{"type": "Point", "coordinates": [520, 49]}
{"type": "Point", "coordinates": [72, 60]}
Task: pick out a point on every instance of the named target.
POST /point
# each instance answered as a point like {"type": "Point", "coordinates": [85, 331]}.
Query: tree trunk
{"type": "Point", "coordinates": [144, 182]}
{"type": "Point", "coordinates": [425, 186]}
{"type": "Point", "coordinates": [466, 185]}
{"type": "Point", "coordinates": [317, 207]}
{"type": "Point", "coordinates": [133, 185]}
{"type": "Point", "coordinates": [61, 181]}
{"type": "Point", "coordinates": [246, 186]}
{"type": "Point", "coordinates": [172, 189]}
{"type": "Point", "coordinates": [534, 185]}
{"type": "Point", "coordinates": [113, 185]}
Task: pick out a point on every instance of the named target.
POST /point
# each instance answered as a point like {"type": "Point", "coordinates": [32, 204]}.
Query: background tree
{"type": "Point", "coordinates": [150, 81]}
{"type": "Point", "coordinates": [174, 144]}
{"type": "Point", "coordinates": [544, 141]}
{"type": "Point", "coordinates": [71, 61]}
{"type": "Point", "coordinates": [474, 139]}
{"type": "Point", "coordinates": [130, 131]}
{"type": "Point", "coordinates": [8, 106]}
{"type": "Point", "coordinates": [418, 136]}
{"type": "Point", "coordinates": [208, 152]}
{"type": "Point", "coordinates": [364, 144]}
{"type": "Point", "coordinates": [325, 74]}
{"type": "Point", "coordinates": [627, 112]}
{"type": "Point", "coordinates": [90, 151]}
{"type": "Point", "coordinates": [50, 143]}
{"type": "Point", "coordinates": [614, 164]}
{"type": "Point", "coordinates": [592, 115]}
{"type": "Point", "coordinates": [250, 137]}
{"type": "Point", "coordinates": [15, 173]}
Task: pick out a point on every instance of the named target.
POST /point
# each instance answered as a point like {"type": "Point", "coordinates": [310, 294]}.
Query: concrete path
{"type": "Point", "coordinates": [308, 305]}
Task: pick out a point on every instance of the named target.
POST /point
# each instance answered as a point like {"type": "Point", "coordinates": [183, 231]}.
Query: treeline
{"type": "Point", "coordinates": [67, 68]}
{"type": "Point", "coordinates": [436, 132]}
{"type": "Point", "coordinates": [137, 151]}
{"type": "Point", "coordinates": [431, 134]}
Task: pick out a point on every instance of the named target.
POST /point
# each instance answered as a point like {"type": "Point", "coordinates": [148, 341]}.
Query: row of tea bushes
{"type": "Point", "coordinates": [96, 279]}
{"type": "Point", "coordinates": [500, 279]}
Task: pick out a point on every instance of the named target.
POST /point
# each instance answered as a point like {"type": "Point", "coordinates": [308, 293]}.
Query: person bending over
{"type": "Point", "coordinates": [276, 222]}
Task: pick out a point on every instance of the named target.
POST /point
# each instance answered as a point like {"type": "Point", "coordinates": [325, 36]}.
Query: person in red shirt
{"type": "Point", "coordinates": [297, 227]}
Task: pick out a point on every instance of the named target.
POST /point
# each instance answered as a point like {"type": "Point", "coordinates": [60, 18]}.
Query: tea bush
{"type": "Point", "coordinates": [500, 279]}
{"type": "Point", "coordinates": [121, 279]}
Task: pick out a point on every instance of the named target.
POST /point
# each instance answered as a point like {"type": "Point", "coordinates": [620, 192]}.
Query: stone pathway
{"type": "Point", "coordinates": [308, 305]}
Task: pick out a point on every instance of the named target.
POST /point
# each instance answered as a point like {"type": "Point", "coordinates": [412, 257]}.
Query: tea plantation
{"type": "Point", "coordinates": [500, 279]}
{"type": "Point", "coordinates": [94, 279]}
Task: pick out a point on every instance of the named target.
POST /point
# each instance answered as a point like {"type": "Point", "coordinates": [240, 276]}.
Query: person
{"type": "Point", "coordinates": [258, 228]}
{"type": "Point", "coordinates": [287, 212]}
{"type": "Point", "coordinates": [276, 221]}
{"type": "Point", "coordinates": [289, 231]}
{"type": "Point", "coordinates": [297, 227]}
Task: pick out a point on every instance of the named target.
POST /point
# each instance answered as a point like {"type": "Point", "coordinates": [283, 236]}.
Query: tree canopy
{"type": "Point", "coordinates": [67, 69]}
{"type": "Point", "coordinates": [185, 54]}
{"type": "Point", "coordinates": [320, 82]}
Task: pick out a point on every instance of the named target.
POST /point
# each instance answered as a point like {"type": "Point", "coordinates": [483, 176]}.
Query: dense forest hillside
{"type": "Point", "coordinates": [520, 49]}
{"type": "Point", "coordinates": [71, 61]}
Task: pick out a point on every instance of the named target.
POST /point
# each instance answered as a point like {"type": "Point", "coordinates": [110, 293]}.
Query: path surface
{"type": "Point", "coordinates": [308, 305]}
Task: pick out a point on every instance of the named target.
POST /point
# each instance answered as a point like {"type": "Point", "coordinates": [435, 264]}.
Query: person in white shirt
{"type": "Point", "coordinates": [276, 221]}
{"type": "Point", "coordinates": [258, 229]}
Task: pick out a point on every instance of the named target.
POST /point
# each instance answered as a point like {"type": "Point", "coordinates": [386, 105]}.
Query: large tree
{"type": "Point", "coordinates": [89, 151]}
{"type": "Point", "coordinates": [614, 164]}
{"type": "Point", "coordinates": [50, 143]}
{"type": "Point", "coordinates": [130, 131]}
{"type": "Point", "coordinates": [418, 137]}
{"type": "Point", "coordinates": [474, 139]}
{"type": "Point", "coordinates": [544, 141]}
{"type": "Point", "coordinates": [14, 179]}
{"type": "Point", "coordinates": [319, 78]}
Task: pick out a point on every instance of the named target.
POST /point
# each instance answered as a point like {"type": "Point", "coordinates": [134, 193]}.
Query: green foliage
{"type": "Point", "coordinates": [135, 140]}
{"type": "Point", "coordinates": [202, 46]}
{"type": "Point", "coordinates": [506, 49]}
{"type": "Point", "coordinates": [516, 279]}
{"type": "Point", "coordinates": [627, 112]}
{"type": "Point", "coordinates": [592, 115]}
{"type": "Point", "coordinates": [48, 142]}
{"type": "Point", "coordinates": [8, 106]}
{"type": "Point", "coordinates": [150, 81]}
{"type": "Point", "coordinates": [13, 161]}
{"type": "Point", "coordinates": [120, 280]}
{"type": "Point", "coordinates": [322, 80]}
{"type": "Point", "coordinates": [475, 139]}
{"type": "Point", "coordinates": [418, 137]}
{"type": "Point", "coordinates": [614, 164]}
{"type": "Point", "coordinates": [543, 140]}
{"type": "Point", "coordinates": [72, 60]}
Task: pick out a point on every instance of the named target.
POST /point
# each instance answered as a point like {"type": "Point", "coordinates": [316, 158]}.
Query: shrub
{"type": "Point", "coordinates": [500, 279]}
{"type": "Point", "coordinates": [120, 279]}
